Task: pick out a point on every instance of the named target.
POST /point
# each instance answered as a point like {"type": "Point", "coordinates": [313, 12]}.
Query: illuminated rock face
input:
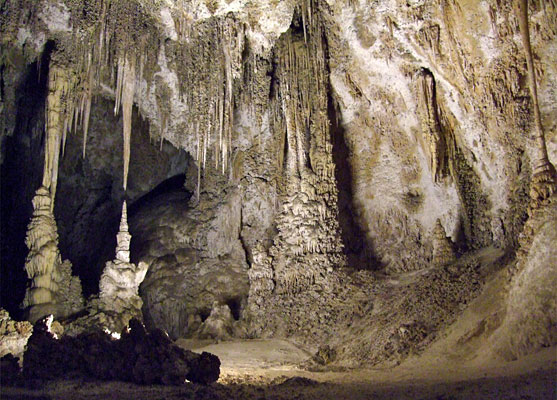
{"type": "Point", "coordinates": [404, 126]}
{"type": "Point", "coordinates": [13, 335]}
{"type": "Point", "coordinates": [120, 281]}
{"type": "Point", "coordinates": [53, 289]}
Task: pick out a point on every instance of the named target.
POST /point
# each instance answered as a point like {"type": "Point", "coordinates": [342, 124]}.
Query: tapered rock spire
{"type": "Point", "coordinates": [119, 284]}
{"type": "Point", "coordinates": [53, 289]}
{"type": "Point", "coordinates": [123, 238]}
{"type": "Point", "coordinates": [443, 252]}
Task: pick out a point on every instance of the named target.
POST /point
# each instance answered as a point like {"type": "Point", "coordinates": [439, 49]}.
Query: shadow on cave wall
{"type": "Point", "coordinates": [359, 253]}
{"type": "Point", "coordinates": [21, 175]}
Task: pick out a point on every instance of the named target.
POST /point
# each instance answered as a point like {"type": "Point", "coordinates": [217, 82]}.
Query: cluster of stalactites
{"type": "Point", "coordinates": [210, 63]}
{"type": "Point", "coordinates": [308, 245]}
{"type": "Point", "coordinates": [300, 105]}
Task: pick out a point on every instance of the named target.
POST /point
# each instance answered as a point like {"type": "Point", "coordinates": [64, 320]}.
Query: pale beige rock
{"type": "Point", "coordinates": [53, 289]}
{"type": "Point", "coordinates": [13, 335]}
{"type": "Point", "coordinates": [119, 284]}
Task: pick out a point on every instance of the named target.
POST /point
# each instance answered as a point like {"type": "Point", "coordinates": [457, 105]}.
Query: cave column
{"type": "Point", "coordinates": [544, 180]}
{"type": "Point", "coordinates": [48, 290]}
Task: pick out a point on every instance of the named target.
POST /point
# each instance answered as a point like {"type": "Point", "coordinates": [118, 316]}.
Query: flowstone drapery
{"type": "Point", "coordinates": [307, 248]}
{"type": "Point", "coordinates": [308, 245]}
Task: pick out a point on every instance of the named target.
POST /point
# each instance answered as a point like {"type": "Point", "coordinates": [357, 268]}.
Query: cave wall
{"type": "Point", "coordinates": [421, 109]}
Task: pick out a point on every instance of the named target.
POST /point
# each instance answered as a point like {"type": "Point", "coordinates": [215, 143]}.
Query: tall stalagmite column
{"type": "Point", "coordinates": [52, 289]}
{"type": "Point", "coordinates": [308, 246]}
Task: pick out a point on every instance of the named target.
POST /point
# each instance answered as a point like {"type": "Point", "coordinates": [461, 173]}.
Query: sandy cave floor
{"type": "Point", "coordinates": [267, 369]}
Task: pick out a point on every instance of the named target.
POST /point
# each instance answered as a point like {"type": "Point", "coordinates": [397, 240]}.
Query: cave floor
{"type": "Point", "coordinates": [269, 369]}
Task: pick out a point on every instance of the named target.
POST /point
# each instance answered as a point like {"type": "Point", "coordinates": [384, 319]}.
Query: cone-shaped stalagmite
{"type": "Point", "coordinates": [443, 252]}
{"type": "Point", "coordinates": [120, 281]}
{"type": "Point", "coordinates": [544, 180]}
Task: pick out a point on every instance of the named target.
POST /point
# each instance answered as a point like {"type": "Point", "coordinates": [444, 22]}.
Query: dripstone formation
{"type": "Point", "coordinates": [120, 281]}
{"type": "Point", "coordinates": [53, 289]}
{"type": "Point", "coordinates": [351, 175]}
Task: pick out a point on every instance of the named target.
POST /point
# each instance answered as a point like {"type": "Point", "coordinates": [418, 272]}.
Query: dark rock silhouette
{"type": "Point", "coordinates": [139, 356]}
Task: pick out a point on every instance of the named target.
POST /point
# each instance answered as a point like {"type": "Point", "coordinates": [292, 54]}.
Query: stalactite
{"type": "Point", "coordinates": [87, 99]}
{"type": "Point", "coordinates": [127, 91]}
{"type": "Point", "coordinates": [59, 89]}
{"type": "Point", "coordinates": [435, 143]}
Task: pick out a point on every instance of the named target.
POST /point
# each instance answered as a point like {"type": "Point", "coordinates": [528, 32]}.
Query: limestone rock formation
{"type": "Point", "coordinates": [434, 139]}
{"type": "Point", "coordinates": [195, 257]}
{"type": "Point", "coordinates": [139, 356]}
{"type": "Point", "coordinates": [412, 112]}
{"type": "Point", "coordinates": [13, 335]}
{"type": "Point", "coordinates": [530, 321]}
{"type": "Point", "coordinates": [120, 280]}
{"type": "Point", "coordinates": [544, 179]}
{"type": "Point", "coordinates": [219, 325]}
{"type": "Point", "coordinates": [443, 252]}
{"type": "Point", "coordinates": [53, 289]}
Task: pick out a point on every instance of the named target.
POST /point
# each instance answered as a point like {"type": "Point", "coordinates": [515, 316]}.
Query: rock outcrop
{"type": "Point", "coordinates": [196, 260]}
{"type": "Point", "coordinates": [443, 252]}
{"type": "Point", "coordinates": [530, 318]}
{"type": "Point", "coordinates": [139, 356]}
{"type": "Point", "coordinates": [13, 335]}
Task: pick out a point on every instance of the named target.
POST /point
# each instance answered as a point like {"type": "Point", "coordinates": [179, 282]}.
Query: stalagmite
{"type": "Point", "coordinates": [120, 280]}
{"type": "Point", "coordinates": [53, 290]}
{"type": "Point", "coordinates": [544, 179]}
{"type": "Point", "coordinates": [443, 252]}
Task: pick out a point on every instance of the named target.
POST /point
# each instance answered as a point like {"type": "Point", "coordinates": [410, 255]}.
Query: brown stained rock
{"type": "Point", "coordinates": [443, 252]}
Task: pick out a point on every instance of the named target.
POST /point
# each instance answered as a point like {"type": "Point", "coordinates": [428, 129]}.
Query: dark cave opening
{"type": "Point", "coordinates": [173, 184]}
{"type": "Point", "coordinates": [90, 193]}
{"type": "Point", "coordinates": [235, 305]}
{"type": "Point", "coordinates": [21, 175]}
